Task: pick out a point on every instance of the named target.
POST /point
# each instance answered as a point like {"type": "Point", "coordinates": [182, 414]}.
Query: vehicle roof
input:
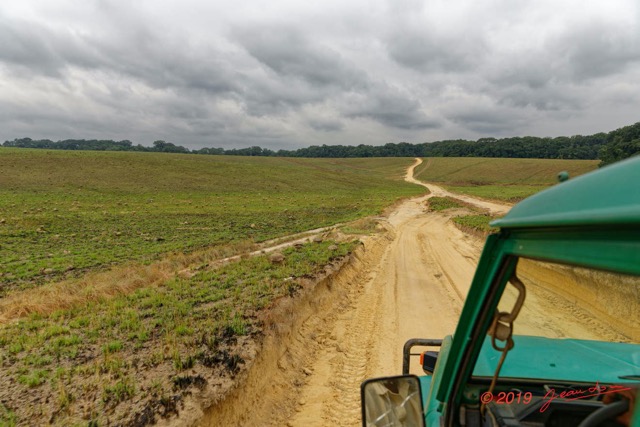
{"type": "Point", "coordinates": [608, 196]}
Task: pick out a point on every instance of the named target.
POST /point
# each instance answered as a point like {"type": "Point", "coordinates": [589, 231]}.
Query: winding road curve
{"type": "Point", "coordinates": [408, 282]}
{"type": "Point", "coordinates": [416, 289]}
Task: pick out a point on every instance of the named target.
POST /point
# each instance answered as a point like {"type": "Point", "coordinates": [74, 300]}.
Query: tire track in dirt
{"type": "Point", "coordinates": [415, 289]}
{"type": "Point", "coordinates": [493, 207]}
{"type": "Point", "coordinates": [407, 282]}
{"type": "Point", "coordinates": [327, 397]}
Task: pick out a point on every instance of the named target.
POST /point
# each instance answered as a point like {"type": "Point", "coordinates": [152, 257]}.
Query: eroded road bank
{"type": "Point", "coordinates": [407, 281]}
{"type": "Point", "coordinates": [414, 289]}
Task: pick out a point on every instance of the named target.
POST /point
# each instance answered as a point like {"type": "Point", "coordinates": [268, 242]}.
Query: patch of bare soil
{"type": "Point", "coordinates": [344, 329]}
{"type": "Point", "coordinates": [304, 368]}
{"type": "Point", "coordinates": [61, 402]}
{"type": "Point", "coordinates": [407, 282]}
{"type": "Point", "coordinates": [298, 330]}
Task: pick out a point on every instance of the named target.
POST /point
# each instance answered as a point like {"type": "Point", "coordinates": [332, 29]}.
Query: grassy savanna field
{"type": "Point", "coordinates": [112, 305]}
{"type": "Point", "coordinates": [509, 180]}
{"type": "Point", "coordinates": [83, 223]}
{"type": "Point", "coordinates": [68, 211]}
{"type": "Point", "coordinates": [504, 180]}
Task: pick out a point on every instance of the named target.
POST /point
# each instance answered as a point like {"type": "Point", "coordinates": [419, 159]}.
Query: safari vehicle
{"type": "Point", "coordinates": [549, 332]}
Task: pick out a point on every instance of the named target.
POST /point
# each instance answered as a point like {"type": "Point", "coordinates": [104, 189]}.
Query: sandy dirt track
{"type": "Point", "coordinates": [409, 281]}
{"type": "Point", "coordinates": [416, 289]}
{"type": "Point", "coordinates": [493, 207]}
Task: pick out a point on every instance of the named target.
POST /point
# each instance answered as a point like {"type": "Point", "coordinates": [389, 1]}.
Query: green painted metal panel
{"type": "Point", "coordinates": [613, 249]}
{"type": "Point", "coordinates": [610, 195]}
{"type": "Point", "coordinates": [432, 404]}
{"type": "Point", "coordinates": [425, 386]}
{"type": "Point", "coordinates": [591, 221]}
{"type": "Point", "coordinates": [490, 261]}
{"type": "Point", "coordinates": [563, 360]}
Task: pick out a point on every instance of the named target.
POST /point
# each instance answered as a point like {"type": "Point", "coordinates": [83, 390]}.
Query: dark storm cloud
{"type": "Point", "coordinates": [421, 37]}
{"type": "Point", "coordinates": [326, 125]}
{"type": "Point", "coordinates": [169, 63]}
{"type": "Point", "coordinates": [574, 56]}
{"type": "Point", "coordinates": [425, 51]}
{"type": "Point", "coordinates": [597, 50]}
{"type": "Point", "coordinates": [295, 71]}
{"type": "Point", "coordinates": [35, 49]}
{"type": "Point", "coordinates": [158, 60]}
{"type": "Point", "coordinates": [284, 74]}
{"type": "Point", "coordinates": [546, 99]}
{"type": "Point", "coordinates": [288, 52]}
{"type": "Point", "coordinates": [488, 121]}
{"type": "Point", "coordinates": [390, 107]}
{"type": "Point", "coordinates": [559, 74]}
{"type": "Point", "coordinates": [45, 122]}
{"type": "Point", "coordinates": [266, 96]}
{"type": "Point", "coordinates": [313, 73]}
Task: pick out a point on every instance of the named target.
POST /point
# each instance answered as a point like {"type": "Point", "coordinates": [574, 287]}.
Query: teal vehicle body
{"type": "Point", "coordinates": [563, 360]}
{"type": "Point", "coordinates": [590, 224]}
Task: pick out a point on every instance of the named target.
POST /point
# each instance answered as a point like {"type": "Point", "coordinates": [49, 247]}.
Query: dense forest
{"type": "Point", "coordinates": [608, 147]}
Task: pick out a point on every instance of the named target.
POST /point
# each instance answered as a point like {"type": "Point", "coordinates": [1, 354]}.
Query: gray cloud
{"type": "Point", "coordinates": [390, 107]}
{"type": "Point", "coordinates": [288, 52]}
{"type": "Point", "coordinates": [314, 73]}
{"type": "Point", "coordinates": [426, 51]}
{"type": "Point", "coordinates": [326, 125]}
{"type": "Point", "coordinates": [38, 50]}
{"type": "Point", "coordinates": [289, 74]}
{"type": "Point", "coordinates": [294, 71]}
{"type": "Point", "coordinates": [596, 50]}
{"type": "Point", "coordinates": [489, 121]}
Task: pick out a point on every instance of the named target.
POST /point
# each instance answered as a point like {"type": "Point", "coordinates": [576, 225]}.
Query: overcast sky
{"type": "Point", "coordinates": [289, 74]}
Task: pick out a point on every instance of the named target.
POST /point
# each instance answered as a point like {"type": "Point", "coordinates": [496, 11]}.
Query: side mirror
{"type": "Point", "coordinates": [392, 401]}
{"type": "Point", "coordinates": [428, 360]}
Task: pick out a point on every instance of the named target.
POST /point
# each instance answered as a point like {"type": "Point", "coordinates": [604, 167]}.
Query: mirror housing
{"type": "Point", "coordinates": [428, 360]}
{"type": "Point", "coordinates": [392, 401]}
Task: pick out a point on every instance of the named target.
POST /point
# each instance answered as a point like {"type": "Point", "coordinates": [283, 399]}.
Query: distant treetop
{"type": "Point", "coordinates": [608, 147]}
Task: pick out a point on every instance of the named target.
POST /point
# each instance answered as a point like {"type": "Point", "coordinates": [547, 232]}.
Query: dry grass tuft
{"type": "Point", "coordinates": [100, 286]}
{"type": "Point", "coordinates": [94, 287]}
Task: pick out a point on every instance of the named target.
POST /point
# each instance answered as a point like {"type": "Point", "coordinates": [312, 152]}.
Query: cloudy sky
{"type": "Point", "coordinates": [288, 74]}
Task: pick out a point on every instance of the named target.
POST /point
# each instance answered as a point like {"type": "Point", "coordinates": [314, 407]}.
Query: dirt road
{"type": "Point", "coordinates": [494, 208]}
{"type": "Point", "coordinates": [416, 289]}
{"type": "Point", "coordinates": [408, 282]}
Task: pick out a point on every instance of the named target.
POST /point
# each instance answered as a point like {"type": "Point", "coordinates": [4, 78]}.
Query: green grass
{"type": "Point", "coordinates": [500, 179]}
{"type": "Point", "coordinates": [7, 417]}
{"type": "Point", "coordinates": [479, 223]}
{"type": "Point", "coordinates": [442, 203]}
{"type": "Point", "coordinates": [507, 193]}
{"type": "Point", "coordinates": [64, 212]}
{"type": "Point", "coordinates": [112, 347]}
{"type": "Point", "coordinates": [33, 378]}
{"type": "Point", "coordinates": [121, 390]}
{"type": "Point", "coordinates": [96, 353]}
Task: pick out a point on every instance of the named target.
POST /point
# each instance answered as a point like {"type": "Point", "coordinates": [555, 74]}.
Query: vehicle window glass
{"type": "Point", "coordinates": [573, 319]}
{"type": "Point", "coordinates": [573, 302]}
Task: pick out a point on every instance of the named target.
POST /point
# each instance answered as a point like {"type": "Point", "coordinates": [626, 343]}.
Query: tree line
{"type": "Point", "coordinates": [608, 147]}
{"type": "Point", "coordinates": [94, 145]}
